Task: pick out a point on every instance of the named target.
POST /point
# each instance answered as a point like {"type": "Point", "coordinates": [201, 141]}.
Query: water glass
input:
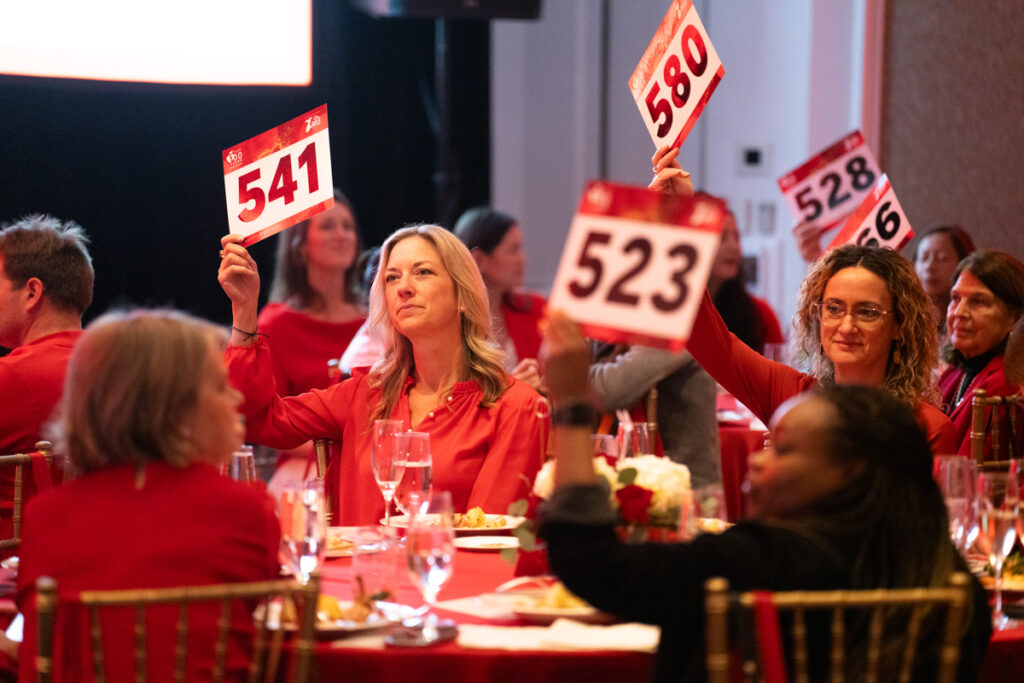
{"type": "Point", "coordinates": [430, 552]}
{"type": "Point", "coordinates": [417, 476]}
{"type": "Point", "coordinates": [303, 527]}
{"type": "Point", "coordinates": [242, 465]}
{"type": "Point", "coordinates": [384, 459]}
{"type": "Point", "coordinates": [377, 562]}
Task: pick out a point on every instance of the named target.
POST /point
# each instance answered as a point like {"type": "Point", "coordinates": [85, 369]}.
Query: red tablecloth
{"type": "Point", "coordinates": [738, 441]}
{"type": "Point", "coordinates": [474, 573]}
{"type": "Point", "coordinates": [1004, 660]}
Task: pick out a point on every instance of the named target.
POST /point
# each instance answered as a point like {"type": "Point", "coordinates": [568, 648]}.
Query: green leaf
{"type": "Point", "coordinates": [518, 508]}
{"type": "Point", "coordinates": [510, 555]}
{"type": "Point", "coordinates": [627, 476]}
{"type": "Point", "coordinates": [527, 539]}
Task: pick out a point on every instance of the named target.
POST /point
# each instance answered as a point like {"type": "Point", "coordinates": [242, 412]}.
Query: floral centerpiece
{"type": "Point", "coordinates": [647, 492]}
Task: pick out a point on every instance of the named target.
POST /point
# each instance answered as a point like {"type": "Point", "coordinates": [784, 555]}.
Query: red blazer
{"type": "Point", "coordinates": [162, 527]}
{"type": "Point", "coordinates": [993, 380]}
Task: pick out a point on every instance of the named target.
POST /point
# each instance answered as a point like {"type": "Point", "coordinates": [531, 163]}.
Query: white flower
{"type": "Point", "coordinates": [544, 483]}
{"type": "Point", "coordinates": [668, 480]}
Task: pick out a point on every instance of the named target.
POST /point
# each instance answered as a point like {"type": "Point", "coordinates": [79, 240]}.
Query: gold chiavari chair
{"type": "Point", "coordinates": [725, 611]}
{"type": "Point", "coordinates": [996, 420]}
{"type": "Point", "coordinates": [268, 638]}
{"type": "Point", "coordinates": [19, 461]}
{"type": "Point", "coordinates": [322, 447]}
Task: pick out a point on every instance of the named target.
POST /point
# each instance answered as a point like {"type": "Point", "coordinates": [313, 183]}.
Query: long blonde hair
{"type": "Point", "coordinates": [482, 360]}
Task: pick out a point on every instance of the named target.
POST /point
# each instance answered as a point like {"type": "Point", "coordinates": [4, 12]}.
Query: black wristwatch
{"type": "Point", "coordinates": [575, 413]}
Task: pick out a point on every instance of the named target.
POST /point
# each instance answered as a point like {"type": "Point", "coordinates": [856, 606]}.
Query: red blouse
{"type": "Point", "coordinates": [993, 380]}
{"type": "Point", "coordinates": [481, 454]}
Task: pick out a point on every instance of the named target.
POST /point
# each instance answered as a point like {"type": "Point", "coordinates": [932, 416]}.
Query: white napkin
{"type": "Point", "coordinates": [563, 634]}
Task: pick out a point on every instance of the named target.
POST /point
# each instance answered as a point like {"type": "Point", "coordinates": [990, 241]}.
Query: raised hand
{"type": "Point", "coordinates": [240, 280]}
{"type": "Point", "coordinates": [669, 176]}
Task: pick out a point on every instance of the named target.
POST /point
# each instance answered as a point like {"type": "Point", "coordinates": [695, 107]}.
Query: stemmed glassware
{"type": "Point", "coordinates": [386, 461]}
{"type": "Point", "coordinates": [429, 552]}
{"type": "Point", "coordinates": [304, 527]}
{"type": "Point", "coordinates": [998, 506]}
{"type": "Point", "coordinates": [417, 479]}
{"type": "Point", "coordinates": [957, 477]}
{"type": "Point", "coordinates": [633, 440]}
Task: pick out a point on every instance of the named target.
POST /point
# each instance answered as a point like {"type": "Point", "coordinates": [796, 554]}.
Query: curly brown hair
{"type": "Point", "coordinates": [909, 379]}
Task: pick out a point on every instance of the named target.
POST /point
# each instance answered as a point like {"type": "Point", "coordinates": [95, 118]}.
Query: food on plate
{"type": "Point", "coordinates": [712, 525]}
{"type": "Point", "coordinates": [338, 544]}
{"type": "Point", "coordinates": [559, 597]}
{"type": "Point", "coordinates": [476, 519]}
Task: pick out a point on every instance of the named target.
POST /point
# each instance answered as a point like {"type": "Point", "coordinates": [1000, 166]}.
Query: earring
{"type": "Point", "coordinates": [896, 358]}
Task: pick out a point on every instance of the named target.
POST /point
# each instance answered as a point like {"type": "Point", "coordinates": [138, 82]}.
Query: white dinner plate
{"type": "Point", "coordinates": [388, 614]}
{"type": "Point", "coordinates": [511, 522]}
{"type": "Point", "coordinates": [547, 615]}
{"type": "Point", "coordinates": [349, 535]}
{"type": "Point", "coordinates": [486, 543]}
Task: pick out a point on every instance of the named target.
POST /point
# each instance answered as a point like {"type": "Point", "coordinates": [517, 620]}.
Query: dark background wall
{"type": "Point", "coordinates": [139, 165]}
{"type": "Point", "coordinates": [953, 116]}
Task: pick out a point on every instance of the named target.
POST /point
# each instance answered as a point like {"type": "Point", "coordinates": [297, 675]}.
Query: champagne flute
{"type": "Point", "coordinates": [429, 552]}
{"type": "Point", "coordinates": [385, 461]}
{"type": "Point", "coordinates": [956, 477]}
{"type": "Point", "coordinates": [304, 527]}
{"type": "Point", "coordinates": [417, 479]}
{"type": "Point", "coordinates": [998, 506]}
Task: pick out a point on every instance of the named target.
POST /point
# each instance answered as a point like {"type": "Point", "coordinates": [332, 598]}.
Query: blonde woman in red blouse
{"type": "Point", "coordinates": [441, 373]}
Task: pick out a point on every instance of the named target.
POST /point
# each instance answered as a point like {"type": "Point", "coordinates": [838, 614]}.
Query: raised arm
{"type": "Point", "coordinates": [240, 280]}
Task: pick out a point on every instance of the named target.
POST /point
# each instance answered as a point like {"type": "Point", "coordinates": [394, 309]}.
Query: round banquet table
{"type": "Point", "coordinates": [474, 573]}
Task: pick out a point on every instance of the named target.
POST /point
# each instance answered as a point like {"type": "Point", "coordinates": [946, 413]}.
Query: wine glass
{"type": "Point", "coordinates": [417, 479]}
{"type": "Point", "coordinates": [304, 527]}
{"type": "Point", "coordinates": [633, 440]}
{"type": "Point", "coordinates": [242, 465]}
{"type": "Point", "coordinates": [386, 463]}
{"type": "Point", "coordinates": [607, 446]}
{"type": "Point", "coordinates": [998, 506]}
{"type": "Point", "coordinates": [956, 477]}
{"type": "Point", "coordinates": [429, 553]}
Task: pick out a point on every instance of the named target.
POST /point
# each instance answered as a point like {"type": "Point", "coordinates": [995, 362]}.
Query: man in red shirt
{"type": "Point", "coordinates": [46, 282]}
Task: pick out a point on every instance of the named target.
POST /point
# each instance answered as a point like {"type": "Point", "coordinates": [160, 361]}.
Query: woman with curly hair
{"type": "Point", "coordinates": [862, 318]}
{"type": "Point", "coordinates": [440, 373]}
{"type": "Point", "coordinates": [986, 300]}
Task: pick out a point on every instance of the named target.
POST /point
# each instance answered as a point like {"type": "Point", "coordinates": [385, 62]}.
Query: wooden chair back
{"type": "Point", "coordinates": [997, 421]}
{"type": "Point", "coordinates": [725, 610]}
{"type": "Point", "coordinates": [18, 461]}
{"type": "Point", "coordinates": [268, 638]}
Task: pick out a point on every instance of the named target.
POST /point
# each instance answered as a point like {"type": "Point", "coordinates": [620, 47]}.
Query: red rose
{"type": "Point", "coordinates": [633, 503]}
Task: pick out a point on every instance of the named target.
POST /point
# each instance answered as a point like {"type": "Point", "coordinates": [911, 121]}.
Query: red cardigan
{"type": "Point", "coordinates": [763, 385]}
{"type": "Point", "coordinates": [163, 527]}
{"type": "Point", "coordinates": [484, 455]}
{"type": "Point", "coordinates": [993, 380]}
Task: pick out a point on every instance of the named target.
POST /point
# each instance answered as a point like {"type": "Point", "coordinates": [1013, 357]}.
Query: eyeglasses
{"type": "Point", "coordinates": [833, 311]}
